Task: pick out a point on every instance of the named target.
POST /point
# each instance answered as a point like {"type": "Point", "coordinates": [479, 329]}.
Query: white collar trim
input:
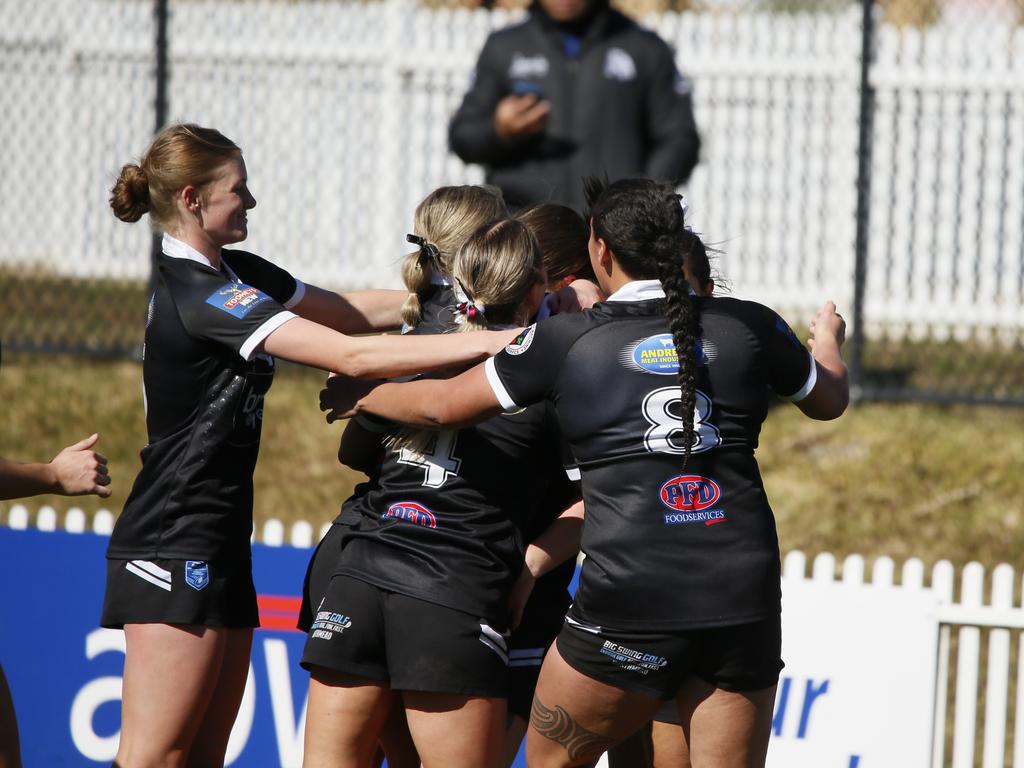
{"type": "Point", "coordinates": [178, 249]}
{"type": "Point", "coordinates": [638, 290]}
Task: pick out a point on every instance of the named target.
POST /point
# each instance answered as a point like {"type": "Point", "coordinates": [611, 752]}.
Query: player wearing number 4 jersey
{"type": "Point", "coordinates": [660, 395]}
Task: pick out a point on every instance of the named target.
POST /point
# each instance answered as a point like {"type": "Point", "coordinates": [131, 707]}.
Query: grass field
{"type": "Point", "coordinates": [903, 480]}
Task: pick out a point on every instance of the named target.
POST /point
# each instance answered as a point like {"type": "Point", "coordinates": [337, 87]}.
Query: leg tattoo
{"type": "Point", "coordinates": [557, 725]}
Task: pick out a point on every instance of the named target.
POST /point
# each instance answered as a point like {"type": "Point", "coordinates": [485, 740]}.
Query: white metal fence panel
{"type": "Point", "coordinates": [342, 109]}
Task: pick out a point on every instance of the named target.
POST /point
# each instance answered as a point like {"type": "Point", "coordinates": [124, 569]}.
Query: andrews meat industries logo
{"type": "Point", "coordinates": [657, 354]}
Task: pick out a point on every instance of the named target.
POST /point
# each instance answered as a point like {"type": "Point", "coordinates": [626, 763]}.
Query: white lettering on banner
{"type": "Point", "coordinates": [106, 689]}
{"type": "Point", "coordinates": [243, 722]}
{"type": "Point", "coordinates": [811, 693]}
{"type": "Point", "coordinates": [94, 694]}
{"type": "Point", "coordinates": [289, 735]}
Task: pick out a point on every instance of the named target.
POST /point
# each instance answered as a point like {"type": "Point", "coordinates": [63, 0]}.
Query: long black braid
{"type": "Point", "coordinates": [642, 223]}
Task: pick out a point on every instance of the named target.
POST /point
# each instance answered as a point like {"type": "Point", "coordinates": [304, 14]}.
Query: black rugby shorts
{"type": "Point", "coordinates": [194, 592]}
{"type": "Point", "coordinates": [742, 657]}
{"type": "Point", "coordinates": [404, 642]}
{"type": "Point", "coordinates": [541, 623]}
{"type": "Point", "coordinates": [322, 566]}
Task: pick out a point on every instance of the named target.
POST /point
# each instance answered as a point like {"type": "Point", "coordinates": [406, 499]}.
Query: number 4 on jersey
{"type": "Point", "coordinates": [437, 459]}
{"type": "Point", "coordinates": [661, 409]}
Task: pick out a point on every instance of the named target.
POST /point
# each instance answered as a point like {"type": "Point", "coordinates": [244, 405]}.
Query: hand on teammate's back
{"type": "Point", "coordinates": [519, 117]}
{"type": "Point", "coordinates": [577, 296]}
{"type": "Point", "coordinates": [340, 394]}
{"type": "Point", "coordinates": [80, 470]}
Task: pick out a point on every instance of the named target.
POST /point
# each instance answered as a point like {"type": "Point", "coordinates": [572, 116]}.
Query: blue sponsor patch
{"type": "Point", "coordinates": [237, 299]}
{"type": "Point", "coordinates": [197, 573]}
{"type": "Point", "coordinates": [657, 354]}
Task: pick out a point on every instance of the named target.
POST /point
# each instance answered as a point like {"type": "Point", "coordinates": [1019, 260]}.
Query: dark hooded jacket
{"type": "Point", "coordinates": [619, 107]}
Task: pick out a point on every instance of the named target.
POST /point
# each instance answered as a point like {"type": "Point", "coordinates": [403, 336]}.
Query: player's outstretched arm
{"type": "Point", "coordinates": [374, 357]}
{"type": "Point", "coordinates": [831, 393]}
{"type": "Point", "coordinates": [75, 471]}
{"type": "Point", "coordinates": [369, 311]}
{"type": "Point", "coordinates": [465, 399]}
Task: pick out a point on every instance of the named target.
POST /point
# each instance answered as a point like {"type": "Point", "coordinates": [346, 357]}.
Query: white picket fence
{"type": "Point", "coordinates": [966, 611]}
{"type": "Point", "coordinates": [342, 109]}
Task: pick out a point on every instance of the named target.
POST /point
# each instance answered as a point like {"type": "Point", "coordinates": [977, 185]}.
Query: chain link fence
{"type": "Point", "coordinates": [873, 155]}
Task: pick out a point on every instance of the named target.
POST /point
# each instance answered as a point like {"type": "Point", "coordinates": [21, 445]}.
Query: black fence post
{"type": "Point", "coordinates": [867, 110]}
{"type": "Point", "coordinates": [160, 14]}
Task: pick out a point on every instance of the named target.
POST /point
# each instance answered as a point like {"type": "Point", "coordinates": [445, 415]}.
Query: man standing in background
{"type": "Point", "coordinates": [576, 90]}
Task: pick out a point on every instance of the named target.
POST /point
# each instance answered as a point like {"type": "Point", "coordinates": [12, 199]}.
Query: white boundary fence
{"type": "Point", "coordinates": [343, 108]}
{"type": "Point", "coordinates": [976, 691]}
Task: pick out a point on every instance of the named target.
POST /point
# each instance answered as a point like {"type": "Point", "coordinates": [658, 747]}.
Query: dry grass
{"type": "Point", "coordinates": [902, 480]}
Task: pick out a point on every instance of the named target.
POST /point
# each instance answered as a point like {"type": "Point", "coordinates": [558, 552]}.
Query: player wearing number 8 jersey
{"type": "Point", "coordinates": [679, 594]}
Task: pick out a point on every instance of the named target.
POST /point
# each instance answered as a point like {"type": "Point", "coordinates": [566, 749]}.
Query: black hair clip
{"type": "Point", "coordinates": [428, 250]}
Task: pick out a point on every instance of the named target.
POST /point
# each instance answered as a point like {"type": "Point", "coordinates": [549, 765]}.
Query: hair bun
{"type": "Point", "coordinates": [130, 196]}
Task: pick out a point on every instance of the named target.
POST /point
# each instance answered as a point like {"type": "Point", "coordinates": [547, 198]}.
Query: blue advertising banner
{"type": "Point", "coordinates": [65, 671]}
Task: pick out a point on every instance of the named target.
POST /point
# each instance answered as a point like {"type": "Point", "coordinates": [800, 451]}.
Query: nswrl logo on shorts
{"type": "Point", "coordinates": [197, 574]}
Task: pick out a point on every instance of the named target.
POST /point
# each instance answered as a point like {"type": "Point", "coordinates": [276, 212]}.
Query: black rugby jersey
{"type": "Point", "coordinates": [445, 524]}
{"type": "Point", "coordinates": [666, 547]}
{"type": "Point", "coordinates": [204, 387]}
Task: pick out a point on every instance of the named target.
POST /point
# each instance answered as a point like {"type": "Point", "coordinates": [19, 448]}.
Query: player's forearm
{"type": "Point", "coordinates": [415, 403]}
{"type": "Point", "coordinates": [18, 480]}
{"type": "Point", "coordinates": [558, 542]}
{"type": "Point", "coordinates": [366, 311]}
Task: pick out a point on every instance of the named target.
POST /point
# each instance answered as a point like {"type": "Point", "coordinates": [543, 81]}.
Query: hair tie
{"type": "Point", "coordinates": [428, 251]}
{"type": "Point", "coordinates": [467, 308]}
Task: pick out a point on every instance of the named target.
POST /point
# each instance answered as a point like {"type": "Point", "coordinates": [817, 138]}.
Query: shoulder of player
{"type": "Point", "coordinates": [624, 31]}
{"type": "Point", "coordinates": [758, 317]}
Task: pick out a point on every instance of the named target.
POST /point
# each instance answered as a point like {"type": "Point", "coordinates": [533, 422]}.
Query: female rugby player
{"type": "Point", "coordinates": [179, 577]}
{"type": "Point", "coordinates": [660, 395]}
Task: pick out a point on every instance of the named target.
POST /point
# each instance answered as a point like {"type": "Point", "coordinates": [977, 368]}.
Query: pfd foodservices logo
{"type": "Point", "coordinates": [690, 497]}
{"type": "Point", "coordinates": [237, 299]}
{"type": "Point", "coordinates": [411, 512]}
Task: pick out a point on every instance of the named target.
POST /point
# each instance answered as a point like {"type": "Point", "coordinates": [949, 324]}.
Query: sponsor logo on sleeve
{"type": "Point", "coordinates": [691, 498]}
{"type": "Point", "coordinates": [237, 299]}
{"type": "Point", "coordinates": [197, 574]}
{"type": "Point", "coordinates": [657, 355]}
{"type": "Point", "coordinates": [522, 342]}
{"type": "Point", "coordinates": [411, 512]}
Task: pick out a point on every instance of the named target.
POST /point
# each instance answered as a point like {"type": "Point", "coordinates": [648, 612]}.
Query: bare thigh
{"type": "Point", "coordinates": [170, 675]}
{"type": "Point", "coordinates": [344, 719]}
{"type": "Point", "coordinates": [211, 742]}
{"type": "Point", "coordinates": [725, 729]}
{"type": "Point", "coordinates": [669, 745]}
{"type": "Point", "coordinates": [455, 731]}
{"type": "Point", "coordinates": [575, 718]}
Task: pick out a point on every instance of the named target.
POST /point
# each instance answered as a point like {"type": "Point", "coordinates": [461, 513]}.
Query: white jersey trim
{"type": "Point", "coordinates": [573, 473]}
{"type": "Point", "coordinates": [805, 390]}
{"type": "Point", "coordinates": [639, 290]}
{"type": "Point", "coordinates": [504, 398]}
{"type": "Point", "coordinates": [258, 336]}
{"type": "Point", "coordinates": [300, 292]}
